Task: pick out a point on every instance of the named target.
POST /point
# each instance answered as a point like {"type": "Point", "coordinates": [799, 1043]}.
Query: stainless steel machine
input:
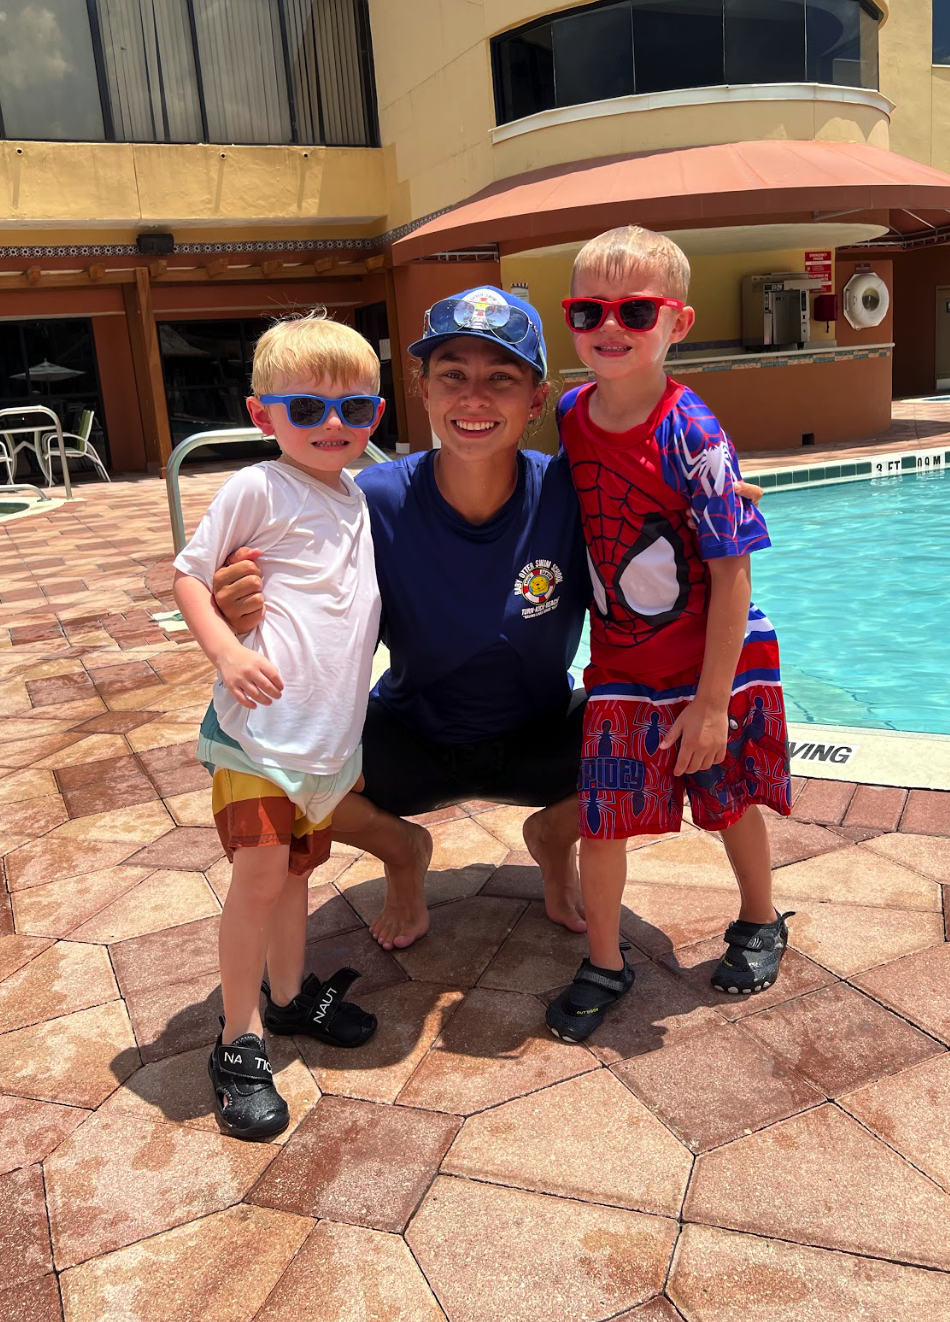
{"type": "Point", "coordinates": [775, 311]}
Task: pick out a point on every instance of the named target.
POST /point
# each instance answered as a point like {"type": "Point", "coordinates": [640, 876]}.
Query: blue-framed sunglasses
{"type": "Point", "coordinates": [311, 410]}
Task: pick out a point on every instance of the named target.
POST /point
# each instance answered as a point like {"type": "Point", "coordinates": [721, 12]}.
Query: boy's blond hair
{"type": "Point", "coordinates": [633, 250]}
{"type": "Point", "coordinates": [313, 346]}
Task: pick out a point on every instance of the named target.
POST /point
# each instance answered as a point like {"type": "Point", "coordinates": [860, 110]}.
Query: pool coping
{"type": "Point", "coordinates": [867, 756]}
{"type": "Point", "coordinates": [927, 459]}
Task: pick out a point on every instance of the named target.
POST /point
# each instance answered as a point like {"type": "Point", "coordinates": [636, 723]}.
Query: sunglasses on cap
{"type": "Point", "coordinates": [450, 315]}
{"type": "Point", "coordinates": [311, 410]}
{"type": "Point", "coordinates": [636, 314]}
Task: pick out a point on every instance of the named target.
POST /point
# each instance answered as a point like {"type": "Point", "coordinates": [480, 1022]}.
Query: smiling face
{"type": "Point", "coordinates": [612, 351]}
{"type": "Point", "coordinates": [322, 451]}
{"type": "Point", "coordinates": [479, 397]}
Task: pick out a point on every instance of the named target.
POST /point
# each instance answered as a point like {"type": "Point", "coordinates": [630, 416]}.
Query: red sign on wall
{"type": "Point", "coordinates": [818, 267]}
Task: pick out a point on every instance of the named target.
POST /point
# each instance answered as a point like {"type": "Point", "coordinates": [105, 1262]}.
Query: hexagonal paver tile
{"type": "Point", "coordinates": [839, 1039]}
{"type": "Point", "coordinates": [17, 951]}
{"type": "Point", "coordinates": [928, 854]}
{"type": "Point", "coordinates": [791, 841]}
{"type": "Point", "coordinates": [538, 955]}
{"type": "Point", "coordinates": [176, 1017]}
{"type": "Point", "coordinates": [411, 1016]}
{"type": "Point", "coordinates": [69, 976]}
{"type": "Point", "coordinates": [660, 918]}
{"type": "Point", "coordinates": [462, 939]}
{"type": "Point", "coordinates": [695, 966]}
{"type": "Point", "coordinates": [546, 1142]}
{"type": "Point", "coordinates": [53, 858]}
{"type": "Point", "coordinates": [917, 987]}
{"type": "Point", "coordinates": [657, 1310]}
{"type": "Point", "coordinates": [119, 1179]}
{"type": "Point", "coordinates": [561, 1260]}
{"type": "Point", "coordinates": [719, 1276]}
{"type": "Point", "coordinates": [144, 963]}
{"type": "Point", "coordinates": [179, 1274]}
{"type": "Point", "coordinates": [694, 859]}
{"type": "Point", "coordinates": [714, 1086]}
{"type": "Point", "coordinates": [358, 950]}
{"type": "Point", "coordinates": [29, 1131]}
{"type": "Point", "coordinates": [495, 1047]}
{"type": "Point", "coordinates": [857, 875]}
{"type": "Point", "coordinates": [848, 938]}
{"type": "Point", "coordinates": [518, 876]}
{"type": "Point", "coordinates": [177, 1089]}
{"type": "Point", "coordinates": [24, 1232]}
{"type": "Point", "coordinates": [910, 1112]}
{"type": "Point", "coordinates": [831, 1184]}
{"type": "Point", "coordinates": [34, 1301]}
{"type": "Point", "coordinates": [349, 1274]}
{"type": "Point", "coordinates": [77, 1060]}
{"type": "Point", "coordinates": [58, 907]}
{"type": "Point", "coordinates": [166, 899]}
{"type": "Point", "coordinates": [357, 1162]}
{"type": "Point", "coordinates": [658, 1009]}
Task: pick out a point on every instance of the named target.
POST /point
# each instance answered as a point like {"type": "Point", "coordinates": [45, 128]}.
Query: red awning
{"type": "Point", "coordinates": [689, 187]}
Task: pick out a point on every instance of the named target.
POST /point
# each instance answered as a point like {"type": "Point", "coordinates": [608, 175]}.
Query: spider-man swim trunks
{"type": "Point", "coordinates": [626, 780]}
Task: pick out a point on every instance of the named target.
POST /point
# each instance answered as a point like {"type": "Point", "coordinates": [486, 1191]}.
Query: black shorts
{"type": "Point", "coordinates": [532, 766]}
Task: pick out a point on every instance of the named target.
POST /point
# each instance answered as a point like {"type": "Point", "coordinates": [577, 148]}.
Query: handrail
{"type": "Point", "coordinates": [57, 427]}
{"type": "Point", "coordinates": [231, 436]}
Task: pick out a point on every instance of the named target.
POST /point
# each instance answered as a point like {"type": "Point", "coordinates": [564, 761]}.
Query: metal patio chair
{"type": "Point", "coordinates": [76, 445]}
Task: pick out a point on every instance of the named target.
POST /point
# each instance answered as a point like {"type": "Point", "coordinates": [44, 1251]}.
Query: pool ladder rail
{"type": "Point", "coordinates": [232, 436]}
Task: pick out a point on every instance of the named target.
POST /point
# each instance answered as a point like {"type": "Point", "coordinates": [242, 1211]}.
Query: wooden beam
{"type": "Point", "coordinates": [97, 271]}
{"type": "Point", "coordinates": [33, 277]}
{"type": "Point", "coordinates": [147, 363]}
{"type": "Point", "coordinates": [376, 263]}
{"type": "Point", "coordinates": [157, 268]}
{"type": "Point", "coordinates": [324, 264]}
{"type": "Point", "coordinates": [270, 268]}
{"type": "Point", "coordinates": [217, 267]}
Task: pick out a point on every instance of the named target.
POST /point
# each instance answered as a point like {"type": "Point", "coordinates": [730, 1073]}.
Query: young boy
{"type": "Point", "coordinates": [683, 685]}
{"type": "Point", "coordinates": [282, 735]}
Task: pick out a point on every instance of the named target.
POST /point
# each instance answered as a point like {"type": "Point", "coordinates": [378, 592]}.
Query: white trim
{"type": "Point", "coordinates": [728, 94]}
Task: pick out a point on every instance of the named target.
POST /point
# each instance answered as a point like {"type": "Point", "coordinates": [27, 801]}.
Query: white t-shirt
{"type": "Point", "coordinates": [321, 618]}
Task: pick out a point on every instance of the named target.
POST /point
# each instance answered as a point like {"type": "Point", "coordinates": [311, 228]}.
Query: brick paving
{"type": "Point", "coordinates": [704, 1159]}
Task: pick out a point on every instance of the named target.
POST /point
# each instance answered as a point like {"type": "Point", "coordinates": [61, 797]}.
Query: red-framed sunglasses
{"type": "Point", "coordinates": [636, 314]}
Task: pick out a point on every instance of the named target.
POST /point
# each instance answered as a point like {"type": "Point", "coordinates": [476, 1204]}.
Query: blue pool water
{"type": "Point", "coordinates": [857, 585]}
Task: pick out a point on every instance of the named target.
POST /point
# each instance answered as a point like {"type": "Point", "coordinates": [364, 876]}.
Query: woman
{"type": "Point", "coordinates": [484, 582]}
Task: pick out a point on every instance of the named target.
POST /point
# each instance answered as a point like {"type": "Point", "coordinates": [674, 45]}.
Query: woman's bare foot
{"type": "Point", "coordinates": [551, 838]}
{"type": "Point", "coordinates": [404, 917]}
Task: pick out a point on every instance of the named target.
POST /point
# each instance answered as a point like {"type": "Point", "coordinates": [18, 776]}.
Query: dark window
{"type": "Point", "coordinates": [207, 367]}
{"type": "Point", "coordinates": [267, 71]}
{"type": "Point", "coordinates": [833, 42]}
{"type": "Point", "coordinates": [52, 363]}
{"type": "Point", "coordinates": [524, 73]}
{"type": "Point", "coordinates": [765, 35]}
{"type": "Point", "coordinates": [584, 54]}
{"type": "Point", "coordinates": [941, 32]}
{"type": "Point", "coordinates": [48, 83]}
{"type": "Point", "coordinates": [678, 43]}
{"type": "Point", "coordinates": [593, 56]}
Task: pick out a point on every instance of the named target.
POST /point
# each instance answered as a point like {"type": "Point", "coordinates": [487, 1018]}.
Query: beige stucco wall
{"type": "Point", "coordinates": [920, 124]}
{"type": "Point", "coordinates": [49, 184]}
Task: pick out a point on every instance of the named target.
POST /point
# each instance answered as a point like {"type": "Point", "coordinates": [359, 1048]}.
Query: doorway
{"type": "Point", "coordinates": [942, 342]}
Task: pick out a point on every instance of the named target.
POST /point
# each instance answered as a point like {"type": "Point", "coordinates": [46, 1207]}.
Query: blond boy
{"type": "Point", "coordinates": [282, 735]}
{"type": "Point", "coordinates": [684, 692]}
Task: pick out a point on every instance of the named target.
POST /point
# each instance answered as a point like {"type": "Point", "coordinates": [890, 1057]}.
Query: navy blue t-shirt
{"type": "Point", "coordinates": [482, 620]}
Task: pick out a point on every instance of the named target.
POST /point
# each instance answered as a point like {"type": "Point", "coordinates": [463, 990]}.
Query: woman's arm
{"type": "Point", "coordinates": [250, 677]}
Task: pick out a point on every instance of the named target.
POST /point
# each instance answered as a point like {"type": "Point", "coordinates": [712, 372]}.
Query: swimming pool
{"type": "Point", "coordinates": [858, 587]}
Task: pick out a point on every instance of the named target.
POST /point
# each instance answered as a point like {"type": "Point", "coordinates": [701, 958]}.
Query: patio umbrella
{"type": "Point", "coordinates": [47, 372]}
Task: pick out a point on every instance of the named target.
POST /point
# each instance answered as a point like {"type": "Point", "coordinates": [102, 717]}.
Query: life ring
{"type": "Point", "coordinates": [866, 300]}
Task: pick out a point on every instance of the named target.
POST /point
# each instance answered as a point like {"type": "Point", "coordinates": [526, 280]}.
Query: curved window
{"type": "Point", "coordinates": [618, 49]}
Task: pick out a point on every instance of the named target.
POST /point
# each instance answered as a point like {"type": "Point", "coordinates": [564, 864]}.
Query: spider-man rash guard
{"type": "Point", "coordinates": [648, 566]}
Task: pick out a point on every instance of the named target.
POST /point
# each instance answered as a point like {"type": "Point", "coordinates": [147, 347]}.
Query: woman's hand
{"type": "Point", "coordinates": [237, 590]}
{"type": "Point", "coordinates": [249, 677]}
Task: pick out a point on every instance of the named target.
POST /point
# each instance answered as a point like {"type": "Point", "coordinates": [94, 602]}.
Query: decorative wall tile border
{"type": "Point", "coordinates": [853, 470]}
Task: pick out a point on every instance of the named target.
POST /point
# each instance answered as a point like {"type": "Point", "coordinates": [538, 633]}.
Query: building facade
{"type": "Point", "coordinates": [175, 172]}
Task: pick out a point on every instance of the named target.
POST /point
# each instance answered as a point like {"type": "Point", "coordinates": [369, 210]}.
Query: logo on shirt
{"type": "Point", "coordinates": [537, 585]}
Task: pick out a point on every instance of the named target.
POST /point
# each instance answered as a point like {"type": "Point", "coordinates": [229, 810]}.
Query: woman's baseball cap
{"type": "Point", "coordinates": [489, 314]}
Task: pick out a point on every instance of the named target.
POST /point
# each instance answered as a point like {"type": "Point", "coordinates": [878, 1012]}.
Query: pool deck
{"type": "Point", "coordinates": [705, 1158]}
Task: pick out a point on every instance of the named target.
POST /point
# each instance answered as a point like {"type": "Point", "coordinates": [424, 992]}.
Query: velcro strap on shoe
{"type": "Point", "coordinates": [330, 997]}
{"type": "Point", "coordinates": [245, 1062]}
{"type": "Point", "coordinates": [616, 984]}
